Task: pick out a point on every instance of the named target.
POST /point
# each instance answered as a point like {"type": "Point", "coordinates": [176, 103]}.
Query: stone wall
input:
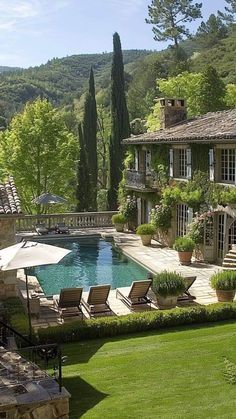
{"type": "Point", "coordinates": [53, 409]}
{"type": "Point", "coordinates": [7, 278]}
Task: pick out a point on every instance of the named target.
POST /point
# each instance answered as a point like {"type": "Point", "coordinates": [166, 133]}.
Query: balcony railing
{"type": "Point", "coordinates": [139, 179]}
{"type": "Point", "coordinates": [72, 220]}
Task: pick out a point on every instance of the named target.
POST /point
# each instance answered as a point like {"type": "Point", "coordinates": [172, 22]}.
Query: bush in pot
{"type": "Point", "coordinates": [225, 285]}
{"type": "Point", "coordinates": [167, 286]}
{"type": "Point", "coordinates": [118, 220]}
{"type": "Point", "coordinates": [184, 246]}
{"type": "Point", "coordinates": [146, 231]}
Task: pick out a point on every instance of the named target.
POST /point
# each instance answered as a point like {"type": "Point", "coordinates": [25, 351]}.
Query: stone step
{"type": "Point", "coordinates": [229, 265]}
{"type": "Point", "coordinates": [230, 255]}
{"type": "Point", "coordinates": [225, 268]}
{"type": "Point", "coordinates": [232, 252]}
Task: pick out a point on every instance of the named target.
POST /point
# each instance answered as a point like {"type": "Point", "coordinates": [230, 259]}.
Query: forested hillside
{"type": "Point", "coordinates": [60, 80]}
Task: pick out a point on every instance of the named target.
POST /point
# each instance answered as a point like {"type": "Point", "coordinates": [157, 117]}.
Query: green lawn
{"type": "Point", "coordinates": [173, 374]}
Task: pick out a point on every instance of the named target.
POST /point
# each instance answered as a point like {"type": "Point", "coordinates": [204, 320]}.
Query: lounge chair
{"type": "Point", "coordinates": [186, 296]}
{"type": "Point", "coordinates": [41, 229]}
{"type": "Point", "coordinates": [96, 302]}
{"type": "Point", "coordinates": [136, 294]}
{"type": "Point", "coordinates": [68, 302]}
{"type": "Point", "coordinates": [61, 228]}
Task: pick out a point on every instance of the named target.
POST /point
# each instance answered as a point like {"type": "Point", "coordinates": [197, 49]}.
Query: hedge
{"type": "Point", "coordinates": [136, 322]}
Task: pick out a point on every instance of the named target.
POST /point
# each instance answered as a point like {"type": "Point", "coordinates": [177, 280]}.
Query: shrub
{"type": "Point", "coordinates": [136, 322]}
{"type": "Point", "coordinates": [118, 219]}
{"type": "Point", "coordinates": [184, 244]}
{"type": "Point", "coordinates": [161, 217]}
{"type": "Point", "coordinates": [168, 283]}
{"type": "Point", "coordinates": [129, 208]}
{"type": "Point", "coordinates": [145, 229]}
{"type": "Point", "coordinates": [225, 281]}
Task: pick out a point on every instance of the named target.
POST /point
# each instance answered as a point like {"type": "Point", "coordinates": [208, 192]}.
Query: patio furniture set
{"type": "Point", "coordinates": [70, 301]}
{"type": "Point", "coordinates": [60, 228]}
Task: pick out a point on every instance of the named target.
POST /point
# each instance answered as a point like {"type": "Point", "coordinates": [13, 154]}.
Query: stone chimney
{"type": "Point", "coordinates": [172, 111]}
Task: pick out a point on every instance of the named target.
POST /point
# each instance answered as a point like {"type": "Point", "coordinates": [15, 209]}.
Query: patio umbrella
{"type": "Point", "coordinates": [27, 254]}
{"type": "Point", "coordinates": [49, 198]}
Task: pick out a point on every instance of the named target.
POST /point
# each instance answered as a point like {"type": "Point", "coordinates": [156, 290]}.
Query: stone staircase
{"type": "Point", "coordinates": [229, 262]}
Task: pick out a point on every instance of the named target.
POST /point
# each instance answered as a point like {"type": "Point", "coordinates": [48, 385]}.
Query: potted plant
{"type": "Point", "coordinates": [146, 231]}
{"type": "Point", "coordinates": [167, 286]}
{"type": "Point", "coordinates": [184, 246]}
{"type": "Point", "coordinates": [118, 220]}
{"type": "Point", "coordinates": [225, 285]}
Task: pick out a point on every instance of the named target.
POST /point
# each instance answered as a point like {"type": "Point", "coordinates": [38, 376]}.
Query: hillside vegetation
{"type": "Point", "coordinates": [61, 79]}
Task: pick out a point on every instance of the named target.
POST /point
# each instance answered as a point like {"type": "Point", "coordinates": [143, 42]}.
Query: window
{"type": "Point", "coordinates": [184, 215]}
{"type": "Point", "coordinates": [182, 163]}
{"type": "Point", "coordinates": [228, 165]}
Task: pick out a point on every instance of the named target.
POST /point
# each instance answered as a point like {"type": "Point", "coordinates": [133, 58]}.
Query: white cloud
{"type": "Point", "coordinates": [15, 13]}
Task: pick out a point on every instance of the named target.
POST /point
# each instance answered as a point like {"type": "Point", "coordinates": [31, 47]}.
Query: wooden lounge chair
{"type": "Point", "coordinates": [186, 296]}
{"type": "Point", "coordinates": [68, 302]}
{"type": "Point", "coordinates": [96, 302]}
{"type": "Point", "coordinates": [61, 228]}
{"type": "Point", "coordinates": [136, 294]}
{"type": "Point", "coordinates": [41, 229]}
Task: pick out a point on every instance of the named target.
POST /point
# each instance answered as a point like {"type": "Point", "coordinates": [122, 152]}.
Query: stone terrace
{"type": "Point", "coordinates": [155, 258]}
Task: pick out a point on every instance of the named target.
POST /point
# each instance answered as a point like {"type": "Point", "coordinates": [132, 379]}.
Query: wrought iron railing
{"type": "Point", "coordinates": [27, 361]}
{"type": "Point", "coordinates": [72, 220]}
{"type": "Point", "coordinates": [139, 179]}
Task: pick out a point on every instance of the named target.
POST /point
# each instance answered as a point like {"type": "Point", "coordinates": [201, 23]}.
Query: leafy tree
{"type": "Point", "coordinates": [211, 91]}
{"type": "Point", "coordinates": [211, 31]}
{"type": "Point", "coordinates": [82, 175]}
{"type": "Point", "coordinates": [230, 97]}
{"type": "Point", "coordinates": [169, 18]}
{"type": "Point", "coordinates": [90, 142]}
{"type": "Point", "coordinates": [39, 152]}
{"type": "Point", "coordinates": [119, 121]}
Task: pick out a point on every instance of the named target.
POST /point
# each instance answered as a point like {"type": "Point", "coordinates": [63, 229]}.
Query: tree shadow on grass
{"type": "Point", "coordinates": [83, 396]}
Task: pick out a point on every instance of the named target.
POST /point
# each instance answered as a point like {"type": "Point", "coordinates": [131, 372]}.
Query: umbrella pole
{"type": "Point", "coordinates": [28, 304]}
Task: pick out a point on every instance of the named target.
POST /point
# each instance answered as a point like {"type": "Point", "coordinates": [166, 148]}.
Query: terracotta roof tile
{"type": "Point", "coordinates": [210, 128]}
{"type": "Point", "coordinates": [9, 199]}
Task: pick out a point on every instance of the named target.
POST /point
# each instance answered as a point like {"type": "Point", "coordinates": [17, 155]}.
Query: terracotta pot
{"type": "Point", "coordinates": [119, 227]}
{"type": "Point", "coordinates": [146, 239]}
{"type": "Point", "coordinates": [166, 302]}
{"type": "Point", "coordinates": [185, 257]}
{"type": "Point", "coordinates": [225, 296]}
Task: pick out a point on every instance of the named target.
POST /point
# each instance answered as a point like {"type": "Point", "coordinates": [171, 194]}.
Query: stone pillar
{"type": "Point", "coordinates": [7, 278]}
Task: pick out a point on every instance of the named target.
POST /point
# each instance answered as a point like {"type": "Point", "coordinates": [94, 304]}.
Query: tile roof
{"type": "Point", "coordinates": [210, 128]}
{"type": "Point", "coordinates": [9, 199]}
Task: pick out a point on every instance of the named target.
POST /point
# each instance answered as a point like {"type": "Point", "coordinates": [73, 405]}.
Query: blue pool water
{"type": "Point", "coordinates": [93, 261]}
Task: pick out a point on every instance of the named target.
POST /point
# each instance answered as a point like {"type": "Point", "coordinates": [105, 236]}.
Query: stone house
{"type": "Point", "coordinates": [183, 147]}
{"type": "Point", "coordinates": [10, 209]}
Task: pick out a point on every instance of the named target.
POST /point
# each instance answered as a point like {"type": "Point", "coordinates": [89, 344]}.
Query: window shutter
{"type": "Point", "coordinates": [211, 165]}
{"type": "Point", "coordinates": [189, 165]}
{"type": "Point", "coordinates": [139, 210]}
{"type": "Point", "coordinates": [171, 154]}
{"type": "Point", "coordinates": [136, 159]}
{"type": "Point", "coordinates": [148, 161]}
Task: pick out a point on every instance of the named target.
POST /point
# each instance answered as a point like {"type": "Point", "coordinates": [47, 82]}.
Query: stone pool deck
{"type": "Point", "coordinates": [155, 258]}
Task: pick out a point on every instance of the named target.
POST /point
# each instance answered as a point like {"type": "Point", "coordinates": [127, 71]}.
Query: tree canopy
{"type": "Point", "coordinates": [40, 153]}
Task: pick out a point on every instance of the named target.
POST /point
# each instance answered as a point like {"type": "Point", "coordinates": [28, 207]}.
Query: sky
{"type": "Point", "coordinates": [35, 31]}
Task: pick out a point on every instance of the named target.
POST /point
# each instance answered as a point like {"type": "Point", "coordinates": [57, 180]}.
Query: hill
{"type": "Point", "coordinates": [60, 79]}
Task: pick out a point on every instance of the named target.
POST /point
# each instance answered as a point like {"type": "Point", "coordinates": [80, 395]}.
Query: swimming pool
{"type": "Point", "coordinates": [93, 261]}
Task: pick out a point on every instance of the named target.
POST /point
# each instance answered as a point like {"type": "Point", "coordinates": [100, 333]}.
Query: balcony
{"type": "Point", "coordinates": [140, 180]}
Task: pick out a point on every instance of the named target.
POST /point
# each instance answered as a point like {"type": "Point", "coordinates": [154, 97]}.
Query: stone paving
{"type": "Point", "coordinates": [155, 258]}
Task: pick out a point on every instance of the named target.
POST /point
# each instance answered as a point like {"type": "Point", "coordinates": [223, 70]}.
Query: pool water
{"type": "Point", "coordinates": [93, 261]}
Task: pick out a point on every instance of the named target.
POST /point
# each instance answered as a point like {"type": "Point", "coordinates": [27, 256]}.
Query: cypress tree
{"type": "Point", "coordinates": [119, 121]}
{"type": "Point", "coordinates": [90, 142]}
{"type": "Point", "coordinates": [82, 175]}
{"type": "Point", "coordinates": [211, 91]}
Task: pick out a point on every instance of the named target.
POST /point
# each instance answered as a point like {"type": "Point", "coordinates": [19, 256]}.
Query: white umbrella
{"type": "Point", "coordinates": [49, 198]}
{"type": "Point", "coordinates": [26, 254]}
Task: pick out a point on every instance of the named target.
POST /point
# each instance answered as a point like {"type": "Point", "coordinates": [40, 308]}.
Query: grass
{"type": "Point", "coordinates": [171, 374]}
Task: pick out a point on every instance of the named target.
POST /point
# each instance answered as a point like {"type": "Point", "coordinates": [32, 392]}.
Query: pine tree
{"type": "Point", "coordinates": [211, 91]}
{"type": "Point", "coordinates": [90, 142]}
{"type": "Point", "coordinates": [119, 121]}
{"type": "Point", "coordinates": [82, 175]}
